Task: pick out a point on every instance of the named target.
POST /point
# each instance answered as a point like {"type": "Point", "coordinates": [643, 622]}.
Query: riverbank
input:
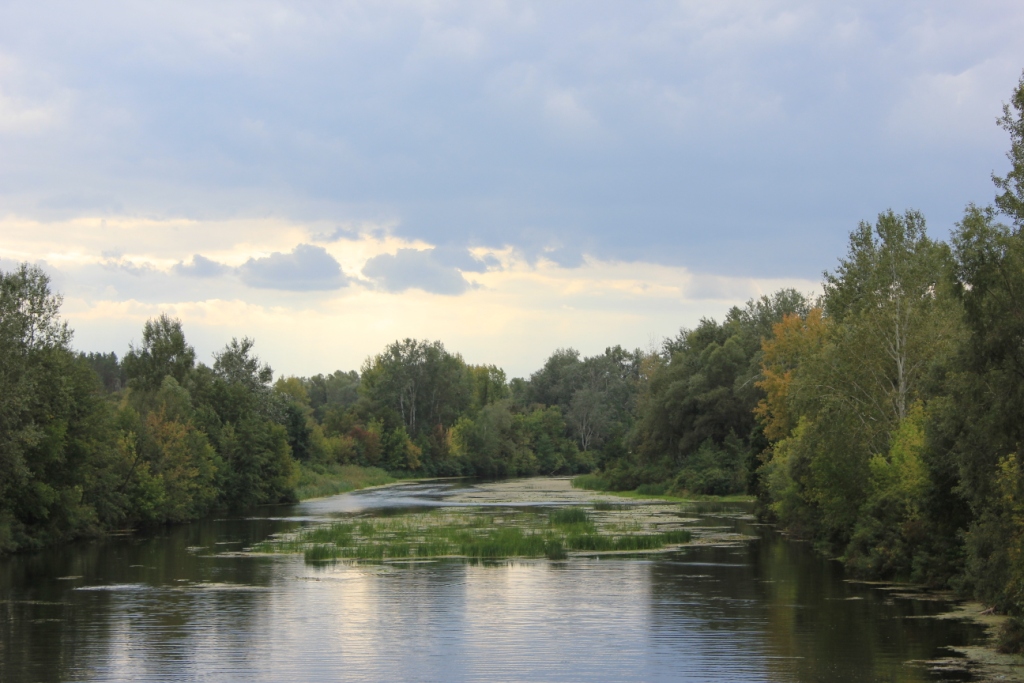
{"type": "Point", "coordinates": [982, 662]}
{"type": "Point", "coordinates": [319, 481]}
{"type": "Point", "coordinates": [591, 482]}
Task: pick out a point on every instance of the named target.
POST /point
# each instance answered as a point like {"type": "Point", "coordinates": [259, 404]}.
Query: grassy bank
{"type": "Point", "coordinates": [476, 535]}
{"type": "Point", "coordinates": [594, 482]}
{"type": "Point", "coordinates": [316, 481]}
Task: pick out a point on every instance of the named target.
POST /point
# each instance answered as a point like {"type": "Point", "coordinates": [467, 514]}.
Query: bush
{"type": "Point", "coordinates": [1011, 637]}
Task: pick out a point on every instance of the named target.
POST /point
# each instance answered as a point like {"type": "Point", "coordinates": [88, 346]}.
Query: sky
{"type": "Point", "coordinates": [506, 177]}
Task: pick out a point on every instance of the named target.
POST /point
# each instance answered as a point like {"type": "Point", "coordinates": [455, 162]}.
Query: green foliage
{"type": "Point", "coordinates": [58, 461]}
{"type": "Point", "coordinates": [715, 470]}
{"type": "Point", "coordinates": [108, 368]}
{"type": "Point", "coordinates": [163, 352]}
{"type": "Point", "coordinates": [695, 424]}
{"type": "Point", "coordinates": [1011, 198]}
{"type": "Point", "coordinates": [1011, 636]}
{"type": "Point", "coordinates": [420, 383]}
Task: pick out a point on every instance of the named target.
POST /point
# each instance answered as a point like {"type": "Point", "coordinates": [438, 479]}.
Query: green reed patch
{"type": "Point", "coordinates": [603, 506]}
{"type": "Point", "coordinates": [469, 534]}
{"type": "Point", "coordinates": [568, 516]}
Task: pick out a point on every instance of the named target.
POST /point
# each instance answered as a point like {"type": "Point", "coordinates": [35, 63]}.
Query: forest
{"type": "Point", "coordinates": [882, 419]}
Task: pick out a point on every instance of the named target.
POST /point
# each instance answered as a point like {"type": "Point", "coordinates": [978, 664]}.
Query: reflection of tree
{"type": "Point", "coordinates": [778, 611]}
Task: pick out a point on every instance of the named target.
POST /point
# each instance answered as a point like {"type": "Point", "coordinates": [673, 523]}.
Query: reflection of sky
{"type": "Point", "coordinates": [590, 620]}
{"type": "Point", "coordinates": [165, 609]}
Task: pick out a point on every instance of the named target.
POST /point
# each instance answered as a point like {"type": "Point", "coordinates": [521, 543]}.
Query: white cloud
{"type": "Point", "coordinates": [521, 310]}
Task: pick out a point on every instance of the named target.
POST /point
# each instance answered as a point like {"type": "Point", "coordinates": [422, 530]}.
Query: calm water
{"type": "Point", "coordinates": [180, 606]}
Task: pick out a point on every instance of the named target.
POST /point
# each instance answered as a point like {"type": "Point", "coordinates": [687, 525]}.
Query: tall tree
{"type": "Point", "coordinates": [163, 352]}
{"type": "Point", "coordinates": [1010, 199]}
{"type": "Point", "coordinates": [57, 454]}
{"type": "Point", "coordinates": [421, 382]}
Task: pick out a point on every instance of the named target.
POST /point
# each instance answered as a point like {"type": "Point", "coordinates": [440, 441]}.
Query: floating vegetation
{"type": "Point", "coordinates": [476, 534]}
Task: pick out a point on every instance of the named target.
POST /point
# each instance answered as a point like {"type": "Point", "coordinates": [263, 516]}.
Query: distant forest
{"type": "Point", "coordinates": [882, 420]}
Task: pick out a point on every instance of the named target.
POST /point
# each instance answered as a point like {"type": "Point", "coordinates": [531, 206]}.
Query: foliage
{"type": "Point", "coordinates": [163, 352]}
{"type": "Point", "coordinates": [1011, 198]}
{"type": "Point", "coordinates": [59, 465]}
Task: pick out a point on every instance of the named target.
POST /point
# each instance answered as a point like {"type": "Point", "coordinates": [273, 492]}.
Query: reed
{"type": "Point", "coordinates": [469, 534]}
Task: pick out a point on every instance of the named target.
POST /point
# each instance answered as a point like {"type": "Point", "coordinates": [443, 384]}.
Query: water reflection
{"type": "Point", "coordinates": [184, 605]}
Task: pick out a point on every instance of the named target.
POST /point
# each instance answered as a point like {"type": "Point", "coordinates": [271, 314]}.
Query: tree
{"type": "Point", "coordinates": [845, 387]}
{"type": "Point", "coordinates": [423, 384]}
{"type": "Point", "coordinates": [1011, 198]}
{"type": "Point", "coordinates": [984, 418]}
{"type": "Point", "coordinates": [556, 382]}
{"type": "Point", "coordinates": [163, 352]}
{"type": "Point", "coordinates": [884, 297]}
{"type": "Point", "coordinates": [57, 454]}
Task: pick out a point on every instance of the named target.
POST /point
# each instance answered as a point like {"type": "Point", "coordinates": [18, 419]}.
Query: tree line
{"type": "Point", "coordinates": [882, 419]}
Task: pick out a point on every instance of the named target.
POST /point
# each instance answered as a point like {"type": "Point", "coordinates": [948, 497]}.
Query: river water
{"type": "Point", "coordinates": [185, 604]}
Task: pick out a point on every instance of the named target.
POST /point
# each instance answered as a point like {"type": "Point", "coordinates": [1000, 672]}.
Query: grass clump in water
{"type": "Point", "coordinates": [571, 520]}
{"type": "Point", "coordinates": [475, 535]}
{"type": "Point", "coordinates": [603, 506]}
{"type": "Point", "coordinates": [555, 550]}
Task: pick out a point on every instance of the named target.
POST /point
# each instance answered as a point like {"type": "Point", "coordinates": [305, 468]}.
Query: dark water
{"type": "Point", "coordinates": [179, 606]}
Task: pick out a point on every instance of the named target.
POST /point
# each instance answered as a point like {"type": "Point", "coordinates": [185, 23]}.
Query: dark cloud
{"type": "Point", "coordinates": [201, 267]}
{"type": "Point", "coordinates": [566, 257]}
{"type": "Point", "coordinates": [339, 233]}
{"type": "Point", "coordinates": [461, 258]}
{"type": "Point", "coordinates": [749, 153]}
{"type": "Point", "coordinates": [305, 268]}
{"type": "Point", "coordinates": [415, 269]}
{"type": "Point", "coordinates": [129, 267]}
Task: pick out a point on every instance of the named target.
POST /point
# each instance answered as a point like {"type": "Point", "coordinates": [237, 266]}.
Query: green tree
{"type": "Point", "coordinates": [163, 352]}
{"type": "Point", "coordinates": [984, 418]}
{"type": "Point", "coordinates": [419, 382]}
{"type": "Point", "coordinates": [1010, 200]}
{"type": "Point", "coordinates": [58, 458]}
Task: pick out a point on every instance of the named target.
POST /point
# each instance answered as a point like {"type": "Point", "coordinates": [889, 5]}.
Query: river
{"type": "Point", "coordinates": [186, 604]}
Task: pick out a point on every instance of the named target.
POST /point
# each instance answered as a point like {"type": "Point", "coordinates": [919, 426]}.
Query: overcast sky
{"type": "Point", "coordinates": [507, 177]}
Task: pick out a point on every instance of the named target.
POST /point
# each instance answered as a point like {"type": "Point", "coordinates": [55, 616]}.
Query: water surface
{"type": "Point", "coordinates": [185, 604]}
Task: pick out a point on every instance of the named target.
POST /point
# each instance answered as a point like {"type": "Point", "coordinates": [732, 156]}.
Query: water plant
{"type": "Point", "coordinates": [470, 534]}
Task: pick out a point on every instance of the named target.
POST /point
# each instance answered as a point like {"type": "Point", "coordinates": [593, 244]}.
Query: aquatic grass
{"type": "Point", "coordinates": [507, 542]}
{"type": "Point", "coordinates": [474, 535]}
{"type": "Point", "coordinates": [604, 506]}
{"type": "Point", "coordinates": [554, 549]}
{"type": "Point", "coordinates": [571, 520]}
{"type": "Point", "coordinates": [570, 515]}
{"type": "Point", "coordinates": [626, 542]}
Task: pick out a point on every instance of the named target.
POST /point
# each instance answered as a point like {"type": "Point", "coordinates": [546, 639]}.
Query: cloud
{"type": "Point", "coordinates": [306, 268]}
{"type": "Point", "coordinates": [461, 258]}
{"type": "Point", "coordinates": [200, 267]}
{"type": "Point", "coordinates": [426, 269]}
